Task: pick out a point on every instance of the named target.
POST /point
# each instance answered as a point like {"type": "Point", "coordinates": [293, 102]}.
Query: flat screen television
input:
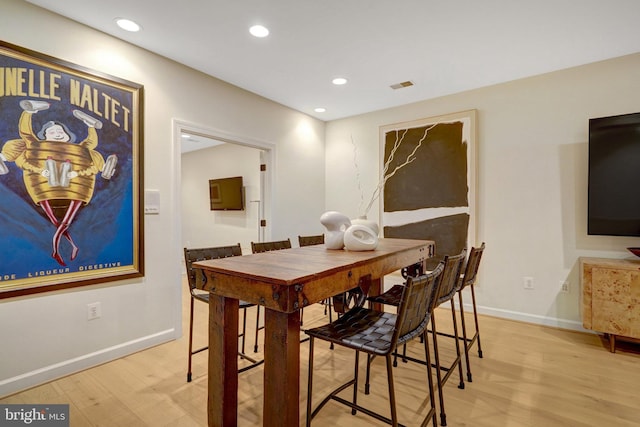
{"type": "Point", "coordinates": [614, 176]}
{"type": "Point", "coordinates": [226, 194]}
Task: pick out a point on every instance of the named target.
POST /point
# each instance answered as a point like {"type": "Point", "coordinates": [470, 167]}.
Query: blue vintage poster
{"type": "Point", "coordinates": [70, 178]}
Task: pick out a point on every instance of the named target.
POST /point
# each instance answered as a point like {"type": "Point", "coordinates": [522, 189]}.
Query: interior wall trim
{"type": "Point", "coordinates": [58, 370]}
{"type": "Point", "coordinates": [537, 319]}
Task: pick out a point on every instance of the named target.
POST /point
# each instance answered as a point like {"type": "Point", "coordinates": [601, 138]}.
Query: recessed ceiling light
{"type": "Point", "coordinates": [320, 110]}
{"type": "Point", "coordinates": [339, 81]}
{"type": "Point", "coordinates": [127, 25]}
{"type": "Point", "coordinates": [259, 31]}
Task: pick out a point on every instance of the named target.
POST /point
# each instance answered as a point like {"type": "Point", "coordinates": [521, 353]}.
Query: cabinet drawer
{"type": "Point", "coordinates": [611, 297]}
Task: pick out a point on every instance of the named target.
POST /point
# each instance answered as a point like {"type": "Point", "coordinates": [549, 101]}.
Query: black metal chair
{"type": "Point", "coordinates": [448, 287]}
{"type": "Point", "coordinates": [392, 297]}
{"type": "Point", "coordinates": [378, 333]}
{"type": "Point", "coordinates": [258, 247]}
{"type": "Point", "coordinates": [447, 290]}
{"type": "Point", "coordinates": [468, 280]}
{"type": "Point", "coordinates": [317, 239]}
{"type": "Point", "coordinates": [202, 254]}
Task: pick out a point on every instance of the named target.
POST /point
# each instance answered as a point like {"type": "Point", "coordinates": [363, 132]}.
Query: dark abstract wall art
{"type": "Point", "coordinates": [432, 197]}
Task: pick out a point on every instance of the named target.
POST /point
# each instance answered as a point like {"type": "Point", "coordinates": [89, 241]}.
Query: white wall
{"type": "Point", "coordinates": [202, 227]}
{"type": "Point", "coordinates": [47, 335]}
{"type": "Point", "coordinates": [532, 164]}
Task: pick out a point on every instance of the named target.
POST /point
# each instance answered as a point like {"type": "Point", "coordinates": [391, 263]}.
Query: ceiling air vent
{"type": "Point", "coordinates": [401, 85]}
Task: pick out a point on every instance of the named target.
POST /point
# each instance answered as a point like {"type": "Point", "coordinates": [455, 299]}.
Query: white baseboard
{"type": "Point", "coordinates": [572, 325]}
{"type": "Point", "coordinates": [530, 318]}
{"type": "Point", "coordinates": [48, 373]}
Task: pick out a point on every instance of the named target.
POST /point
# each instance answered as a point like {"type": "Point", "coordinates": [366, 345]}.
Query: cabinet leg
{"type": "Point", "coordinates": [612, 343]}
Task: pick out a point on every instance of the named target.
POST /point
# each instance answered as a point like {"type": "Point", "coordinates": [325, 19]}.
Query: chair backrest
{"type": "Point", "coordinates": [311, 240]}
{"type": "Point", "coordinates": [471, 271]}
{"type": "Point", "coordinates": [270, 246]}
{"type": "Point", "coordinates": [450, 276]}
{"type": "Point", "coordinates": [202, 254]}
{"type": "Point", "coordinates": [416, 305]}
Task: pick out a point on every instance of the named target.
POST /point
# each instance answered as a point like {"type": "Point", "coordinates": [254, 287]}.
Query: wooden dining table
{"type": "Point", "coordinates": [283, 282]}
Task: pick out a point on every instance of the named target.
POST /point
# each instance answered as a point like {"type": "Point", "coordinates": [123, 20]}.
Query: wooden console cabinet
{"type": "Point", "coordinates": [611, 297]}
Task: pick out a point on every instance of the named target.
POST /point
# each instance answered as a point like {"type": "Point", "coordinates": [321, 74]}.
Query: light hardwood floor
{"type": "Point", "coordinates": [530, 376]}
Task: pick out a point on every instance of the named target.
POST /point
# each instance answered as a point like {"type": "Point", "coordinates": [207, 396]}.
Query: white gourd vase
{"type": "Point", "coordinates": [336, 223]}
{"type": "Point", "coordinates": [359, 237]}
{"type": "Point", "coordinates": [362, 235]}
{"type": "Point", "coordinates": [362, 220]}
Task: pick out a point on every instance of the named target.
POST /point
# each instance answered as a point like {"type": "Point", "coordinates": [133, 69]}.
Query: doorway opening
{"type": "Point", "coordinates": [205, 153]}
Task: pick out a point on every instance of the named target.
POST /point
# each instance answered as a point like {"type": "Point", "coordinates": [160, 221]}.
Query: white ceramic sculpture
{"type": "Point", "coordinates": [360, 237]}
{"type": "Point", "coordinates": [357, 235]}
{"type": "Point", "coordinates": [336, 224]}
{"type": "Point", "coordinates": [368, 223]}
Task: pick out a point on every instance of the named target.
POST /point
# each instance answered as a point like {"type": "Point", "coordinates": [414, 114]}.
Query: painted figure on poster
{"type": "Point", "coordinates": [59, 174]}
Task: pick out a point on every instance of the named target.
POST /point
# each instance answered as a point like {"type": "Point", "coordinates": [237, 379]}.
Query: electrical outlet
{"type": "Point", "coordinates": [94, 311]}
{"type": "Point", "coordinates": [527, 282]}
{"type": "Point", "coordinates": [564, 286]}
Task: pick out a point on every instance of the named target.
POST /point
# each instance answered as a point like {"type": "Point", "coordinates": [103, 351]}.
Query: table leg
{"type": "Point", "coordinates": [281, 369]}
{"type": "Point", "coordinates": [375, 289]}
{"type": "Point", "coordinates": [222, 404]}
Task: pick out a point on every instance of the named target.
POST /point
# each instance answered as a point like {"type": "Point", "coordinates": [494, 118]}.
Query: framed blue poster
{"type": "Point", "coordinates": [71, 198]}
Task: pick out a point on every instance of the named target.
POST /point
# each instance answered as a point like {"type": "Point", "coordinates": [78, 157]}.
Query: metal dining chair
{"type": "Point", "coordinates": [316, 239]}
{"type": "Point", "coordinates": [467, 281]}
{"type": "Point", "coordinates": [275, 245]}
{"type": "Point", "coordinates": [392, 297]}
{"type": "Point", "coordinates": [202, 254]}
{"type": "Point", "coordinates": [378, 333]}
{"type": "Point", "coordinates": [447, 289]}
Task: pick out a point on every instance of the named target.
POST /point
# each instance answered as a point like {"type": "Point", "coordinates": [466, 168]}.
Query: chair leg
{"type": "Point", "coordinates": [368, 374]}
{"type": "Point", "coordinates": [392, 392]}
{"type": "Point", "coordinates": [465, 340]}
{"type": "Point", "coordinates": [457, 342]}
{"type": "Point", "coordinates": [255, 345]}
{"type": "Point", "coordinates": [328, 302]}
{"type": "Point", "coordinates": [436, 356]}
{"type": "Point", "coordinates": [244, 329]}
{"type": "Point", "coordinates": [432, 398]}
{"type": "Point", "coordinates": [190, 341]}
{"type": "Point", "coordinates": [404, 355]}
{"type": "Point", "coordinates": [475, 318]}
{"type": "Point", "coordinates": [310, 382]}
{"type": "Point", "coordinates": [355, 383]}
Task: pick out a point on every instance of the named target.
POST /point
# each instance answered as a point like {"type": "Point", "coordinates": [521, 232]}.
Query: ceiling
{"type": "Point", "coordinates": [442, 47]}
{"type": "Point", "coordinates": [193, 142]}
